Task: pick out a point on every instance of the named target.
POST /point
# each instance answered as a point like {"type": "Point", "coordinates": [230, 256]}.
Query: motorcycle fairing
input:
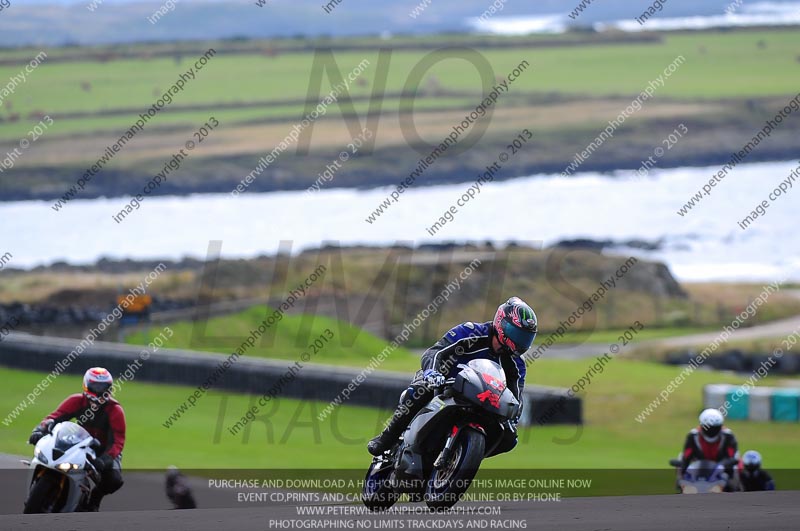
{"type": "Point", "coordinates": [67, 444]}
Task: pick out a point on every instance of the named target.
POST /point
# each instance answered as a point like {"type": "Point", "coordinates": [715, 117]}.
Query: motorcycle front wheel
{"type": "Point", "coordinates": [379, 494]}
{"type": "Point", "coordinates": [41, 497]}
{"type": "Point", "coordinates": [447, 485]}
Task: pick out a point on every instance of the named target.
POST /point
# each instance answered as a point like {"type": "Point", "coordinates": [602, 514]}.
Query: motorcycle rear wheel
{"type": "Point", "coordinates": [446, 486]}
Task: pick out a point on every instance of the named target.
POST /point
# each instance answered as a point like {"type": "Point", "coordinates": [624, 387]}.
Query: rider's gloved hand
{"type": "Point", "coordinates": [517, 415]}
{"type": "Point", "coordinates": [41, 430]}
{"type": "Point", "coordinates": [36, 434]}
{"type": "Point", "coordinates": [103, 462]}
{"type": "Point", "coordinates": [433, 378]}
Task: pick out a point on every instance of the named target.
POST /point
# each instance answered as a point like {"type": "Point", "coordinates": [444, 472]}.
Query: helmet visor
{"type": "Point", "coordinates": [522, 339]}
{"type": "Point", "coordinates": [711, 431]}
{"type": "Point", "coordinates": [97, 389]}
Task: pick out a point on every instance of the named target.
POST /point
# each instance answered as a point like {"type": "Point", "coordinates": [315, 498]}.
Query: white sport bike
{"type": "Point", "coordinates": [62, 472]}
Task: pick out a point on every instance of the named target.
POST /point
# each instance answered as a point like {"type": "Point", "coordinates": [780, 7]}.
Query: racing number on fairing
{"type": "Point", "coordinates": [494, 399]}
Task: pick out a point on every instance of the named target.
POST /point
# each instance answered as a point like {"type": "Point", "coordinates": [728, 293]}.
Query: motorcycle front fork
{"type": "Point", "coordinates": [444, 455]}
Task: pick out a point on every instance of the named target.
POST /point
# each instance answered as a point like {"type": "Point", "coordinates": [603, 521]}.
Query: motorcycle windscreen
{"type": "Point", "coordinates": [704, 471]}
{"type": "Point", "coordinates": [70, 434]}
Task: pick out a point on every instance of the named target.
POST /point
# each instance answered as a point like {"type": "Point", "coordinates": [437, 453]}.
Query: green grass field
{"type": "Point", "coordinates": [355, 348]}
{"type": "Point", "coordinates": [729, 83]}
{"type": "Point", "coordinates": [719, 65]}
{"type": "Point", "coordinates": [291, 437]}
{"type": "Point", "coordinates": [607, 337]}
{"type": "Point", "coordinates": [284, 345]}
{"type": "Point", "coordinates": [350, 346]}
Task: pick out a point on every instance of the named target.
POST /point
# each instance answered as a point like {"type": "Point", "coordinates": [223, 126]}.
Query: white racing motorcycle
{"type": "Point", "coordinates": [62, 472]}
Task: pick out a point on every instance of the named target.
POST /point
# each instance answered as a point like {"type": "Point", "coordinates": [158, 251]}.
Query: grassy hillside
{"type": "Point", "coordinates": [350, 346]}
{"type": "Point", "coordinates": [719, 65]}
{"type": "Point", "coordinates": [401, 282]}
{"type": "Point", "coordinates": [729, 84]}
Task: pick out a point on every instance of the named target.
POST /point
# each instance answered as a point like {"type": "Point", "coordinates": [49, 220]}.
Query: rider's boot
{"type": "Point", "coordinates": [400, 420]}
{"type": "Point", "coordinates": [389, 435]}
{"type": "Point", "coordinates": [94, 501]}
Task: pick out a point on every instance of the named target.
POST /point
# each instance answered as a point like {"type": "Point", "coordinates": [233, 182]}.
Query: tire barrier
{"type": "Point", "coordinates": [761, 404]}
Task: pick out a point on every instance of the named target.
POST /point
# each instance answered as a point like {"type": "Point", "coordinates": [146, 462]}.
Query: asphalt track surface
{"type": "Point", "coordinates": [768, 511]}
{"type": "Point", "coordinates": [142, 505]}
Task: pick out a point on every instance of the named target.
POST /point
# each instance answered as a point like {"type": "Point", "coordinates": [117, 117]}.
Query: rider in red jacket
{"type": "Point", "coordinates": [711, 441]}
{"type": "Point", "coordinates": [103, 418]}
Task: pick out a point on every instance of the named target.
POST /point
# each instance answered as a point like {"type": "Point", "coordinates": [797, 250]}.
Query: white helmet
{"type": "Point", "coordinates": [711, 421]}
{"type": "Point", "coordinates": [97, 383]}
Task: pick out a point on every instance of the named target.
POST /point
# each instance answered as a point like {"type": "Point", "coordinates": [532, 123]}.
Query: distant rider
{"type": "Point", "coordinates": [178, 490]}
{"type": "Point", "coordinates": [503, 340]}
{"type": "Point", "coordinates": [103, 418]}
{"type": "Point", "coordinates": [752, 476]}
